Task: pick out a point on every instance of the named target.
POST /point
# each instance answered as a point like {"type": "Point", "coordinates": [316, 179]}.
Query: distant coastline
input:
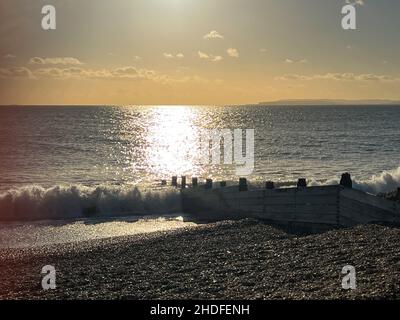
{"type": "Point", "coordinates": [329, 102]}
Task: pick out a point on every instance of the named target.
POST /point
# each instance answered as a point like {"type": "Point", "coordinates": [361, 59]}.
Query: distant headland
{"type": "Point", "coordinates": [327, 102]}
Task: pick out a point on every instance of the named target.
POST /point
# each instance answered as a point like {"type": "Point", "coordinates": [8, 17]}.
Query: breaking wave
{"type": "Point", "coordinates": [384, 182]}
{"type": "Point", "coordinates": [62, 202]}
{"type": "Point", "coordinates": [69, 202]}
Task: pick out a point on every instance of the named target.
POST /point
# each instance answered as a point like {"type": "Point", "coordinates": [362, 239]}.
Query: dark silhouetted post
{"type": "Point", "coordinates": [209, 184]}
{"type": "Point", "coordinates": [183, 182]}
{"type": "Point", "coordinates": [243, 184]}
{"type": "Point", "coordinates": [195, 182]}
{"type": "Point", "coordinates": [346, 181]}
{"type": "Point", "coordinates": [302, 183]}
{"type": "Point", "coordinates": [174, 181]}
{"type": "Point", "coordinates": [269, 185]}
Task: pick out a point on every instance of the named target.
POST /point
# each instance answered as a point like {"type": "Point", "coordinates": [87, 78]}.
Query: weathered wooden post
{"type": "Point", "coordinates": [269, 185]}
{"type": "Point", "coordinates": [222, 184]}
{"type": "Point", "coordinates": [183, 182]}
{"type": "Point", "coordinates": [195, 182]}
{"type": "Point", "coordinates": [302, 183]}
{"type": "Point", "coordinates": [209, 184]}
{"type": "Point", "coordinates": [346, 181]}
{"type": "Point", "coordinates": [243, 184]}
{"type": "Point", "coordinates": [163, 182]}
{"type": "Point", "coordinates": [174, 182]}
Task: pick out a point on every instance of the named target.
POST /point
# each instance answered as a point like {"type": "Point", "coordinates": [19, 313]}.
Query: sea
{"type": "Point", "coordinates": [59, 163]}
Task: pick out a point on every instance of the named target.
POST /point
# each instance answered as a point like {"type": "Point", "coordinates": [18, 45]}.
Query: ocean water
{"type": "Point", "coordinates": [68, 162]}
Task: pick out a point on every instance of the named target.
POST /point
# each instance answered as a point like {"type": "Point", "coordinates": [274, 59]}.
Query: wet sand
{"type": "Point", "coordinates": [227, 260]}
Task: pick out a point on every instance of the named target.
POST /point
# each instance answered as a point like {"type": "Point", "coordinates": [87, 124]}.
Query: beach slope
{"type": "Point", "coordinates": [226, 260]}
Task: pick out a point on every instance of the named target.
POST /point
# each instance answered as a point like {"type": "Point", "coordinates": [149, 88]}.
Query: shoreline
{"type": "Point", "coordinates": [225, 260]}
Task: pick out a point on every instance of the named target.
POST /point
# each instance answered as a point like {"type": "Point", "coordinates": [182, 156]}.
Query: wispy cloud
{"type": "Point", "coordinates": [296, 61]}
{"type": "Point", "coordinates": [126, 73]}
{"type": "Point", "coordinates": [62, 61]}
{"type": "Point", "coordinates": [16, 73]}
{"type": "Point", "coordinates": [216, 58]}
{"type": "Point", "coordinates": [203, 55]}
{"type": "Point", "coordinates": [209, 57]}
{"type": "Point", "coordinates": [173, 56]}
{"type": "Point", "coordinates": [168, 55]}
{"type": "Point", "coordinates": [232, 52]}
{"type": "Point", "coordinates": [213, 35]}
{"type": "Point", "coordinates": [338, 77]}
{"type": "Point", "coordinates": [355, 2]}
{"type": "Point", "coordinates": [9, 56]}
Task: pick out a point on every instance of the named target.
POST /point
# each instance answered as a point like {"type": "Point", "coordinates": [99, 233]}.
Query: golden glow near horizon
{"type": "Point", "coordinates": [197, 52]}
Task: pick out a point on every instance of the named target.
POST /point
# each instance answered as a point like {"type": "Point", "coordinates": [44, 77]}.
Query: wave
{"type": "Point", "coordinates": [69, 202]}
{"type": "Point", "coordinates": [384, 182]}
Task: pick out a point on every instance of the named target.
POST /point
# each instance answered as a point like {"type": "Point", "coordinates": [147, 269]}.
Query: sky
{"type": "Point", "coordinates": [203, 52]}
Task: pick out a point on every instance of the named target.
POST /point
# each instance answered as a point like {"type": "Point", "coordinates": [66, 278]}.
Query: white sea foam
{"type": "Point", "coordinates": [64, 202]}
{"type": "Point", "coordinates": [69, 202]}
{"type": "Point", "coordinates": [386, 181]}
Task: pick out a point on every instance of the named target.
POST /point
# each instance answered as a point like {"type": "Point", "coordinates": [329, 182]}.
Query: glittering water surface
{"type": "Point", "coordinates": [90, 146]}
{"type": "Point", "coordinates": [77, 162]}
{"type": "Point", "coordinates": [24, 235]}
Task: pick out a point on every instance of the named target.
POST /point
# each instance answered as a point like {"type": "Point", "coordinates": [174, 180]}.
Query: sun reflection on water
{"type": "Point", "coordinates": [173, 141]}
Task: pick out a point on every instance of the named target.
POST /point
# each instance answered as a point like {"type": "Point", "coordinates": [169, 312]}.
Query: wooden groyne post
{"type": "Point", "coordinates": [269, 185]}
{"type": "Point", "coordinates": [346, 181]}
{"type": "Point", "coordinates": [183, 182]}
{"type": "Point", "coordinates": [243, 185]}
{"type": "Point", "coordinates": [302, 183]}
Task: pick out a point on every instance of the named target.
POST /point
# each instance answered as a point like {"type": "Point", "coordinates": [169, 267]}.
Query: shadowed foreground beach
{"type": "Point", "coordinates": [227, 260]}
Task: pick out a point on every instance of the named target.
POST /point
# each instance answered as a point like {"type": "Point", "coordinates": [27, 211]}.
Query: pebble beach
{"type": "Point", "coordinates": [225, 260]}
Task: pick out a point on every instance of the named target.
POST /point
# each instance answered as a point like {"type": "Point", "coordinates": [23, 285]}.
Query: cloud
{"type": "Point", "coordinates": [296, 61]}
{"type": "Point", "coordinates": [127, 73]}
{"type": "Point", "coordinates": [203, 55]}
{"type": "Point", "coordinates": [213, 35]}
{"type": "Point", "coordinates": [172, 56]}
{"type": "Point", "coordinates": [338, 77]}
{"type": "Point", "coordinates": [233, 53]}
{"type": "Point", "coordinates": [9, 56]}
{"type": "Point", "coordinates": [355, 2]}
{"type": "Point", "coordinates": [16, 73]}
{"type": "Point", "coordinates": [216, 58]}
{"type": "Point", "coordinates": [63, 61]}
{"type": "Point", "coordinates": [210, 57]}
{"type": "Point", "coordinates": [168, 55]}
